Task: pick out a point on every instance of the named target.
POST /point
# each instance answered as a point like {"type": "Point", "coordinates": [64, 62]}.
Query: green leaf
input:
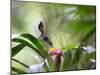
{"type": "Point", "coordinates": [72, 58]}
{"type": "Point", "coordinates": [67, 60]}
{"type": "Point", "coordinates": [46, 68]}
{"type": "Point", "coordinates": [85, 60]}
{"type": "Point", "coordinates": [17, 49]}
{"type": "Point", "coordinates": [70, 46]}
{"type": "Point", "coordinates": [89, 34]}
{"type": "Point", "coordinates": [77, 55]}
{"type": "Point", "coordinates": [41, 52]}
{"type": "Point", "coordinates": [90, 56]}
{"type": "Point", "coordinates": [34, 40]}
{"type": "Point", "coordinates": [21, 63]}
{"type": "Point", "coordinates": [51, 64]}
{"type": "Point", "coordinates": [24, 42]}
{"type": "Point", "coordinates": [18, 70]}
{"type": "Point", "coordinates": [69, 56]}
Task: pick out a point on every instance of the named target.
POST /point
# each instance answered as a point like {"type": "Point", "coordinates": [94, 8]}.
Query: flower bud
{"type": "Point", "coordinates": [56, 54]}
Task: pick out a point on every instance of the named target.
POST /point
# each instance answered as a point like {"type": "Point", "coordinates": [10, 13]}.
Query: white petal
{"type": "Point", "coordinates": [84, 48]}
{"type": "Point", "coordinates": [89, 49]}
{"type": "Point", "coordinates": [36, 68]}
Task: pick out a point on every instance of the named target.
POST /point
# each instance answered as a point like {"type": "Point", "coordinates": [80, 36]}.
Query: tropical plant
{"type": "Point", "coordinates": [73, 59]}
{"type": "Point", "coordinates": [66, 41]}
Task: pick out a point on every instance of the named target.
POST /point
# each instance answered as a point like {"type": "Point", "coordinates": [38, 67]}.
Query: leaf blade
{"type": "Point", "coordinates": [21, 63]}
{"type": "Point", "coordinates": [34, 40]}
{"type": "Point", "coordinates": [27, 44]}
{"type": "Point", "coordinates": [18, 70]}
{"type": "Point", "coordinates": [17, 49]}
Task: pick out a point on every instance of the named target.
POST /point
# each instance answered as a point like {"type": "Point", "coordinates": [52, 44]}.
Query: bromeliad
{"type": "Point", "coordinates": [56, 54]}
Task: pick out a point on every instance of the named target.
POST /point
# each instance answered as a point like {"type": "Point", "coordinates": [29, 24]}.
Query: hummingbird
{"type": "Point", "coordinates": [43, 36]}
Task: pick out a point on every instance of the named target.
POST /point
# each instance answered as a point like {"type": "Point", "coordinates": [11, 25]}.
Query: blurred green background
{"type": "Point", "coordinates": [65, 24]}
